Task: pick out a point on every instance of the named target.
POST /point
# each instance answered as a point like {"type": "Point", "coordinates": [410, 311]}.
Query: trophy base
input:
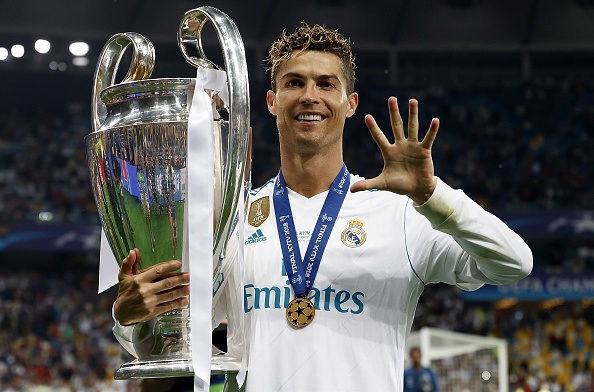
{"type": "Point", "coordinates": [220, 364]}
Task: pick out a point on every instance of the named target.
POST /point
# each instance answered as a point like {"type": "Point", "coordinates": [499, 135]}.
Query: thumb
{"type": "Point", "coordinates": [359, 186]}
{"type": "Point", "coordinates": [136, 262]}
{"type": "Point", "coordinates": [363, 185]}
{"type": "Point", "coordinates": [128, 265]}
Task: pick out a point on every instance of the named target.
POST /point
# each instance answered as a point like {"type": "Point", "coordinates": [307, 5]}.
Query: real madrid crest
{"type": "Point", "coordinates": [354, 235]}
{"type": "Point", "coordinates": [259, 211]}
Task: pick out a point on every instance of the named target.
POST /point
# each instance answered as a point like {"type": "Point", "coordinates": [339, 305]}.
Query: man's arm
{"type": "Point", "coordinates": [452, 239]}
{"type": "Point", "coordinates": [464, 244]}
{"type": "Point", "coordinates": [138, 301]}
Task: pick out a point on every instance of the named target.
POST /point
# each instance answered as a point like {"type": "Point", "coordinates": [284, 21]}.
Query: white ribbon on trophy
{"type": "Point", "coordinates": [200, 221]}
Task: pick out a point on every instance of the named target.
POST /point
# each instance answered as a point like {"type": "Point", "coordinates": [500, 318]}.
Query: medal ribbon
{"type": "Point", "coordinates": [302, 273]}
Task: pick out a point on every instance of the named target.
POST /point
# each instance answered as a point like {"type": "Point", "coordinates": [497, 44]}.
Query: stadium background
{"type": "Point", "coordinates": [512, 82]}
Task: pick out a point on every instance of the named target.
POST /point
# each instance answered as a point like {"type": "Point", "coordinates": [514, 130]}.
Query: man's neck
{"type": "Point", "coordinates": [310, 175]}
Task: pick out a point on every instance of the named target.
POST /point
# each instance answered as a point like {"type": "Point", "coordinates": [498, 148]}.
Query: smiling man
{"type": "Point", "coordinates": [334, 263]}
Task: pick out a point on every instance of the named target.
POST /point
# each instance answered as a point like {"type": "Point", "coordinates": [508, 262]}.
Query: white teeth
{"type": "Point", "coordinates": [309, 117]}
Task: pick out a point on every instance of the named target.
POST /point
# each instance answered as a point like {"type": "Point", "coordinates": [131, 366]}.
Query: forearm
{"type": "Point", "coordinates": [141, 339]}
{"type": "Point", "coordinates": [489, 251]}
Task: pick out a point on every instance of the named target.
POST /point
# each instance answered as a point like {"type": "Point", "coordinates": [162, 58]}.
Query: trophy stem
{"type": "Point", "coordinates": [174, 346]}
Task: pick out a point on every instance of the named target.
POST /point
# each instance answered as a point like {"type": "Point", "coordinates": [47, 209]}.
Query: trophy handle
{"type": "Point", "coordinates": [143, 61]}
{"type": "Point", "coordinates": [190, 43]}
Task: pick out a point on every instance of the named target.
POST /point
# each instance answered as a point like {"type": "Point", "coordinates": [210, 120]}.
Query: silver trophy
{"type": "Point", "coordinates": [137, 161]}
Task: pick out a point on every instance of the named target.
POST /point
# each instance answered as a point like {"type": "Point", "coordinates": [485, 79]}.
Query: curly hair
{"type": "Point", "coordinates": [317, 38]}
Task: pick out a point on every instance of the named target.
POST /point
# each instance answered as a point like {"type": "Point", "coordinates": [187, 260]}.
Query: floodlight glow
{"type": "Point", "coordinates": [3, 54]}
{"type": "Point", "coordinates": [17, 51]}
{"type": "Point", "coordinates": [46, 216]}
{"type": "Point", "coordinates": [79, 48]}
{"type": "Point", "coordinates": [42, 46]}
{"type": "Point", "coordinates": [80, 61]}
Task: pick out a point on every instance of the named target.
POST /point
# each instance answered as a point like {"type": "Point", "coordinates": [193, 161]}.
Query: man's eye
{"type": "Point", "coordinates": [293, 83]}
{"type": "Point", "coordinates": [326, 85]}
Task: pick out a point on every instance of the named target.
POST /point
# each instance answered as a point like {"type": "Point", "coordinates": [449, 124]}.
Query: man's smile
{"type": "Point", "coordinates": [309, 117]}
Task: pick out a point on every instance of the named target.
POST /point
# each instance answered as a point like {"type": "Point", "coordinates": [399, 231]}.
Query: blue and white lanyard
{"type": "Point", "coordinates": [302, 273]}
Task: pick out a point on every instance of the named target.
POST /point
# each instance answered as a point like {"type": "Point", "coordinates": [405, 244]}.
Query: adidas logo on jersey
{"type": "Point", "coordinates": [258, 236]}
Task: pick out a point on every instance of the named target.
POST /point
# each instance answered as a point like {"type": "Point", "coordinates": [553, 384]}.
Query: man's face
{"type": "Point", "coordinates": [310, 102]}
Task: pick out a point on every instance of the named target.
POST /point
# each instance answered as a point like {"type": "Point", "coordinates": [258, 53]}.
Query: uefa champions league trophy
{"type": "Point", "coordinates": [137, 156]}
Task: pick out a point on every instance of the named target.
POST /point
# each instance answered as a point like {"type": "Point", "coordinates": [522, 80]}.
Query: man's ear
{"type": "Point", "coordinates": [271, 102]}
{"type": "Point", "coordinates": [353, 102]}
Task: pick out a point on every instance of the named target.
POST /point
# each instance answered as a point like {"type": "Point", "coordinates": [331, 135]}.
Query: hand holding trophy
{"type": "Point", "coordinates": [167, 170]}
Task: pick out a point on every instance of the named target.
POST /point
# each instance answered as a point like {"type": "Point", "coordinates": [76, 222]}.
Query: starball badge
{"type": "Point", "coordinates": [300, 312]}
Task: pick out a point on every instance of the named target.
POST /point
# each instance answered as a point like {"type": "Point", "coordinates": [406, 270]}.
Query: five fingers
{"type": "Point", "coordinates": [399, 136]}
{"type": "Point", "coordinates": [398, 125]}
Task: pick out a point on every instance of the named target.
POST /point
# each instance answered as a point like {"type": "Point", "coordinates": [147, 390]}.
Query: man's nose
{"type": "Point", "coordinates": [310, 93]}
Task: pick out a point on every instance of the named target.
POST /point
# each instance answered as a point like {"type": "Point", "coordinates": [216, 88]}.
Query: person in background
{"type": "Point", "coordinates": [419, 378]}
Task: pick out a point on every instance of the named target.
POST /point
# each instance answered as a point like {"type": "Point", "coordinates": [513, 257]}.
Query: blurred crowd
{"type": "Point", "coordinates": [55, 333]}
{"type": "Point", "coordinates": [43, 171]}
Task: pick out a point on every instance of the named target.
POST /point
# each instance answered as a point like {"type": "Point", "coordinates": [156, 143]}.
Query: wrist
{"type": "Point", "coordinates": [421, 196]}
{"type": "Point", "coordinates": [117, 316]}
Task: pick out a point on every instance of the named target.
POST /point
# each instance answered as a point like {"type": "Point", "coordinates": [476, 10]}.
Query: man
{"type": "Point", "coordinates": [419, 378]}
{"type": "Point", "coordinates": [332, 276]}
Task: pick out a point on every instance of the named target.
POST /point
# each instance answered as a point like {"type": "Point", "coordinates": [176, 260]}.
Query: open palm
{"type": "Point", "coordinates": [408, 166]}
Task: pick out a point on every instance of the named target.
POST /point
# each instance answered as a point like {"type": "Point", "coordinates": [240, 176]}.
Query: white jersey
{"type": "Point", "coordinates": [381, 253]}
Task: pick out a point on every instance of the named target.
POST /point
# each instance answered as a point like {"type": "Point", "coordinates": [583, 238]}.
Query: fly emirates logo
{"type": "Point", "coordinates": [327, 299]}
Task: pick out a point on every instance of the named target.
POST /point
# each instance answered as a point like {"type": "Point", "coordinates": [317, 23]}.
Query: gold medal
{"type": "Point", "coordinates": [300, 312]}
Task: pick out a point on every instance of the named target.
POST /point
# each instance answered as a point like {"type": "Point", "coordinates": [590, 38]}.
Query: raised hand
{"type": "Point", "coordinates": [408, 166]}
{"type": "Point", "coordinates": [144, 294]}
